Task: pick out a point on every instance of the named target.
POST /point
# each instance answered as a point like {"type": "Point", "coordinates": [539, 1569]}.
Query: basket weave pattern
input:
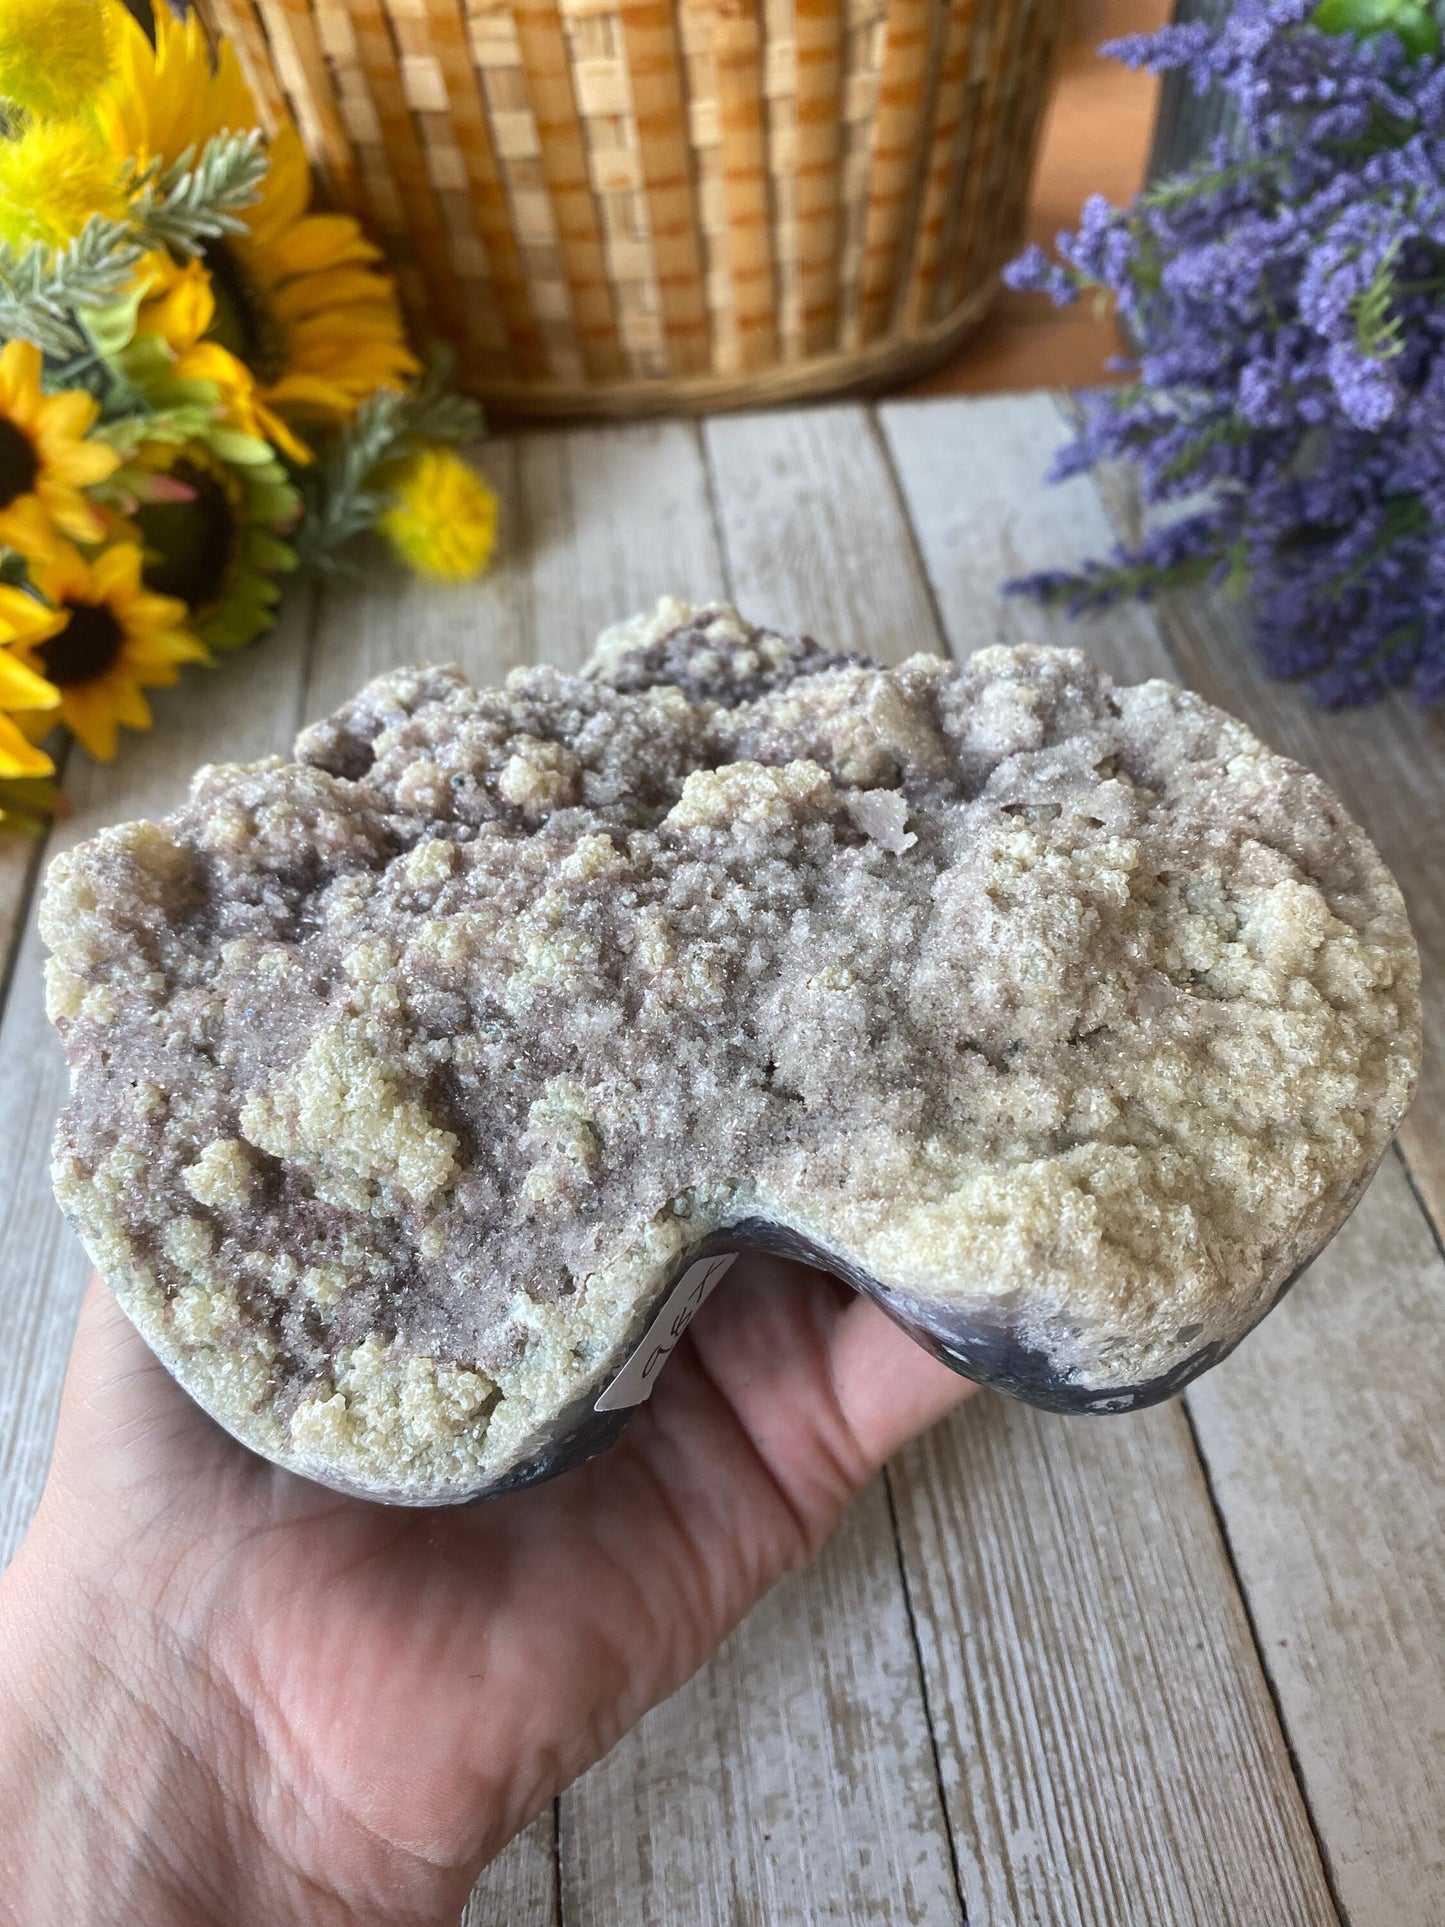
{"type": "Point", "coordinates": [610, 205]}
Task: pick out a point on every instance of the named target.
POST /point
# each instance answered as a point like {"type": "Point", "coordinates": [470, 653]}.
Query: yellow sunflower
{"type": "Point", "coordinates": [45, 460]}
{"type": "Point", "coordinates": [212, 535]}
{"type": "Point", "coordinates": [297, 296]}
{"type": "Point", "coordinates": [23, 621]}
{"type": "Point", "coordinates": [116, 639]}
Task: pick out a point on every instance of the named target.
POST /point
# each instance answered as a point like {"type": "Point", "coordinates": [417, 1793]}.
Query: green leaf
{"type": "Point", "coordinates": [1412, 21]}
{"type": "Point", "coordinates": [189, 202]}
{"type": "Point", "coordinates": [111, 327]}
{"type": "Point", "coordinates": [41, 288]}
{"type": "Point", "coordinates": [1377, 326]}
{"type": "Point", "coordinates": [344, 491]}
{"type": "Point", "coordinates": [232, 445]}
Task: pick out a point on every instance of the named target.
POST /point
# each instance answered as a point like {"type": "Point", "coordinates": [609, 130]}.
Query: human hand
{"type": "Point", "coordinates": [227, 1694]}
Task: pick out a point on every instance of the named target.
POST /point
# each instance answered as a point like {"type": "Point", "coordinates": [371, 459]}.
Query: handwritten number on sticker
{"type": "Point", "coordinates": [635, 1381]}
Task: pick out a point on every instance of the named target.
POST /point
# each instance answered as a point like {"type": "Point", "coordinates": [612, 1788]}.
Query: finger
{"type": "Point", "coordinates": [123, 1419]}
{"type": "Point", "coordinates": [889, 1388]}
{"type": "Point", "coordinates": [821, 1381]}
{"type": "Point", "coordinates": [113, 1377]}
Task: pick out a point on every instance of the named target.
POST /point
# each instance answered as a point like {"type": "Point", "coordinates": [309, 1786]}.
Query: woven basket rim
{"type": "Point", "coordinates": [846, 372]}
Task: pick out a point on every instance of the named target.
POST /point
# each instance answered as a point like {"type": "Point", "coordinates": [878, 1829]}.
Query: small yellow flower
{"type": "Point", "coordinates": [54, 55]}
{"type": "Point", "coordinates": [45, 460]}
{"type": "Point", "coordinates": [23, 620]}
{"type": "Point", "coordinates": [116, 640]}
{"type": "Point", "coordinates": [442, 520]}
{"type": "Point", "coordinates": [52, 179]}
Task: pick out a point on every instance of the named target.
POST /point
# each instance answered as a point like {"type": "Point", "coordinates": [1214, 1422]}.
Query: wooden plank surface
{"type": "Point", "coordinates": [520, 1887]}
{"type": "Point", "coordinates": [971, 474]}
{"type": "Point", "coordinates": [734, 1802]}
{"type": "Point", "coordinates": [1044, 1609]}
{"type": "Point", "coordinates": [19, 856]}
{"type": "Point", "coordinates": [1110, 1753]}
{"type": "Point", "coordinates": [815, 536]}
{"type": "Point", "coordinates": [1323, 1440]}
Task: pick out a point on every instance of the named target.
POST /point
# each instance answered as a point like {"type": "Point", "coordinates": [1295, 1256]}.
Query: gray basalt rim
{"type": "Point", "coordinates": [1065, 1021]}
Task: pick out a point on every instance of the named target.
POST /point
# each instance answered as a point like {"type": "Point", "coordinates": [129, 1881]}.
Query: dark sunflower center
{"type": "Point", "coordinates": [88, 645]}
{"type": "Point", "coordinates": [193, 543]}
{"type": "Point", "coordinates": [19, 464]}
{"type": "Point", "coordinates": [245, 322]}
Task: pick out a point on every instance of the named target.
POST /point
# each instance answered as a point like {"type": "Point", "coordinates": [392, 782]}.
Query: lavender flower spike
{"type": "Point", "coordinates": [1285, 299]}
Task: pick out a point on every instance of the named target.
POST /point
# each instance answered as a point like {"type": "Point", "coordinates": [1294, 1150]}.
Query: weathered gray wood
{"type": "Point", "coordinates": [608, 521]}
{"type": "Point", "coordinates": [18, 863]}
{"type": "Point", "coordinates": [385, 617]}
{"type": "Point", "coordinates": [1323, 1440]}
{"type": "Point", "coordinates": [1187, 122]}
{"type": "Point", "coordinates": [813, 532]}
{"type": "Point", "coordinates": [519, 1889]}
{"type": "Point", "coordinates": [971, 473]}
{"type": "Point", "coordinates": [1113, 1653]}
{"type": "Point", "coordinates": [736, 1802]}
{"type": "Point", "coordinates": [1110, 1754]}
{"type": "Point", "coordinates": [245, 708]}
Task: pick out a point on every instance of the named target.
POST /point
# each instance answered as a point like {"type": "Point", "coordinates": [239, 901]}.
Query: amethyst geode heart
{"type": "Point", "coordinates": [409, 1077]}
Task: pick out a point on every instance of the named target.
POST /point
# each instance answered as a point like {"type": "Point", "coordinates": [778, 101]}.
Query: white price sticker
{"type": "Point", "coordinates": [635, 1381]}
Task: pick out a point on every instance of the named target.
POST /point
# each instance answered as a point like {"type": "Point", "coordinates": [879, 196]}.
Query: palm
{"type": "Point", "coordinates": [424, 1681]}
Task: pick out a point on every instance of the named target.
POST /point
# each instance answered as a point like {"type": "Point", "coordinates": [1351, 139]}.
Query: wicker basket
{"type": "Point", "coordinates": [611, 206]}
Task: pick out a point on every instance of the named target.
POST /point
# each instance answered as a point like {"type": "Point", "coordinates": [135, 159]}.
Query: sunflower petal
{"type": "Point", "coordinates": [318, 242]}
{"type": "Point", "coordinates": [116, 571]}
{"type": "Point", "coordinates": [72, 514]}
{"type": "Point", "coordinates": [19, 368]}
{"type": "Point", "coordinates": [24, 619]}
{"type": "Point", "coordinates": [89, 714]}
{"type": "Point", "coordinates": [127, 703]}
{"type": "Point", "coordinates": [61, 573]}
{"type": "Point", "coordinates": [19, 757]}
{"type": "Point", "coordinates": [313, 392]}
{"type": "Point", "coordinates": [69, 413]}
{"type": "Point", "coordinates": [325, 292]}
{"type": "Point", "coordinates": [22, 687]}
{"type": "Point", "coordinates": [285, 191]}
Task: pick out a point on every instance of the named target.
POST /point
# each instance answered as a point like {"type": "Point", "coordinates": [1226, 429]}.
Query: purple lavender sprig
{"type": "Point", "coordinates": [1286, 301]}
